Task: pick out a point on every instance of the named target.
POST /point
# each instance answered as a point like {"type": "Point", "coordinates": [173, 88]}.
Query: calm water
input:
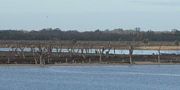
{"type": "Point", "coordinates": [150, 77]}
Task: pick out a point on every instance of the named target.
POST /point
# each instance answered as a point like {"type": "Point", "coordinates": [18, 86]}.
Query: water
{"type": "Point", "coordinates": [143, 77]}
{"type": "Point", "coordinates": [135, 52]}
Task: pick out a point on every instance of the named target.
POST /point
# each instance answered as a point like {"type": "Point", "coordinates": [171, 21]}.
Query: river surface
{"type": "Point", "coordinates": [142, 77]}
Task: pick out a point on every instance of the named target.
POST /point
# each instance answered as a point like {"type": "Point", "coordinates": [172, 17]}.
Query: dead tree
{"type": "Point", "coordinates": [33, 51]}
{"type": "Point", "coordinates": [22, 48]}
{"type": "Point", "coordinates": [13, 53]}
{"type": "Point", "coordinates": [48, 52]}
{"type": "Point", "coordinates": [109, 48]}
{"type": "Point", "coordinates": [58, 50]}
{"type": "Point", "coordinates": [71, 50]}
{"type": "Point", "coordinates": [40, 53]}
{"type": "Point", "coordinates": [159, 53]}
{"type": "Point", "coordinates": [101, 51]}
{"type": "Point", "coordinates": [130, 54]}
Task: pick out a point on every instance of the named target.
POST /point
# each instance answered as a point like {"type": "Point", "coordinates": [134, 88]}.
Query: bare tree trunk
{"type": "Point", "coordinates": [34, 56]}
{"type": "Point", "coordinates": [114, 51]}
{"type": "Point", "coordinates": [40, 59]}
{"type": "Point", "coordinates": [22, 52]}
{"type": "Point", "coordinates": [130, 54]}
{"type": "Point", "coordinates": [40, 54]}
{"type": "Point", "coordinates": [159, 56]}
{"type": "Point", "coordinates": [159, 53]}
{"type": "Point", "coordinates": [100, 57]}
{"type": "Point", "coordinates": [130, 59]}
{"type": "Point", "coordinates": [89, 60]}
{"type": "Point", "coordinates": [8, 60]}
{"type": "Point", "coordinates": [66, 60]}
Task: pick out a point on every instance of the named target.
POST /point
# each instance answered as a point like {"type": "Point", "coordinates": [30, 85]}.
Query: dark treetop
{"type": "Point", "coordinates": [97, 35]}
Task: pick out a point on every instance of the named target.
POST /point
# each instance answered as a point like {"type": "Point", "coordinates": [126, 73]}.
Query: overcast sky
{"type": "Point", "coordinates": [90, 14]}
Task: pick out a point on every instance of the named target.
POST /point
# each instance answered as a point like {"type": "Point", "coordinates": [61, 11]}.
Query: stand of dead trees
{"type": "Point", "coordinates": [51, 52]}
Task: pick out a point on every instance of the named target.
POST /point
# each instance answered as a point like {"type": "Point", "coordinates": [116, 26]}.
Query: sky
{"type": "Point", "coordinates": [87, 15]}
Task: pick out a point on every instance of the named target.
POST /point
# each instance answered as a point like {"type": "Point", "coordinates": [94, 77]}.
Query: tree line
{"type": "Point", "coordinates": [96, 35]}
